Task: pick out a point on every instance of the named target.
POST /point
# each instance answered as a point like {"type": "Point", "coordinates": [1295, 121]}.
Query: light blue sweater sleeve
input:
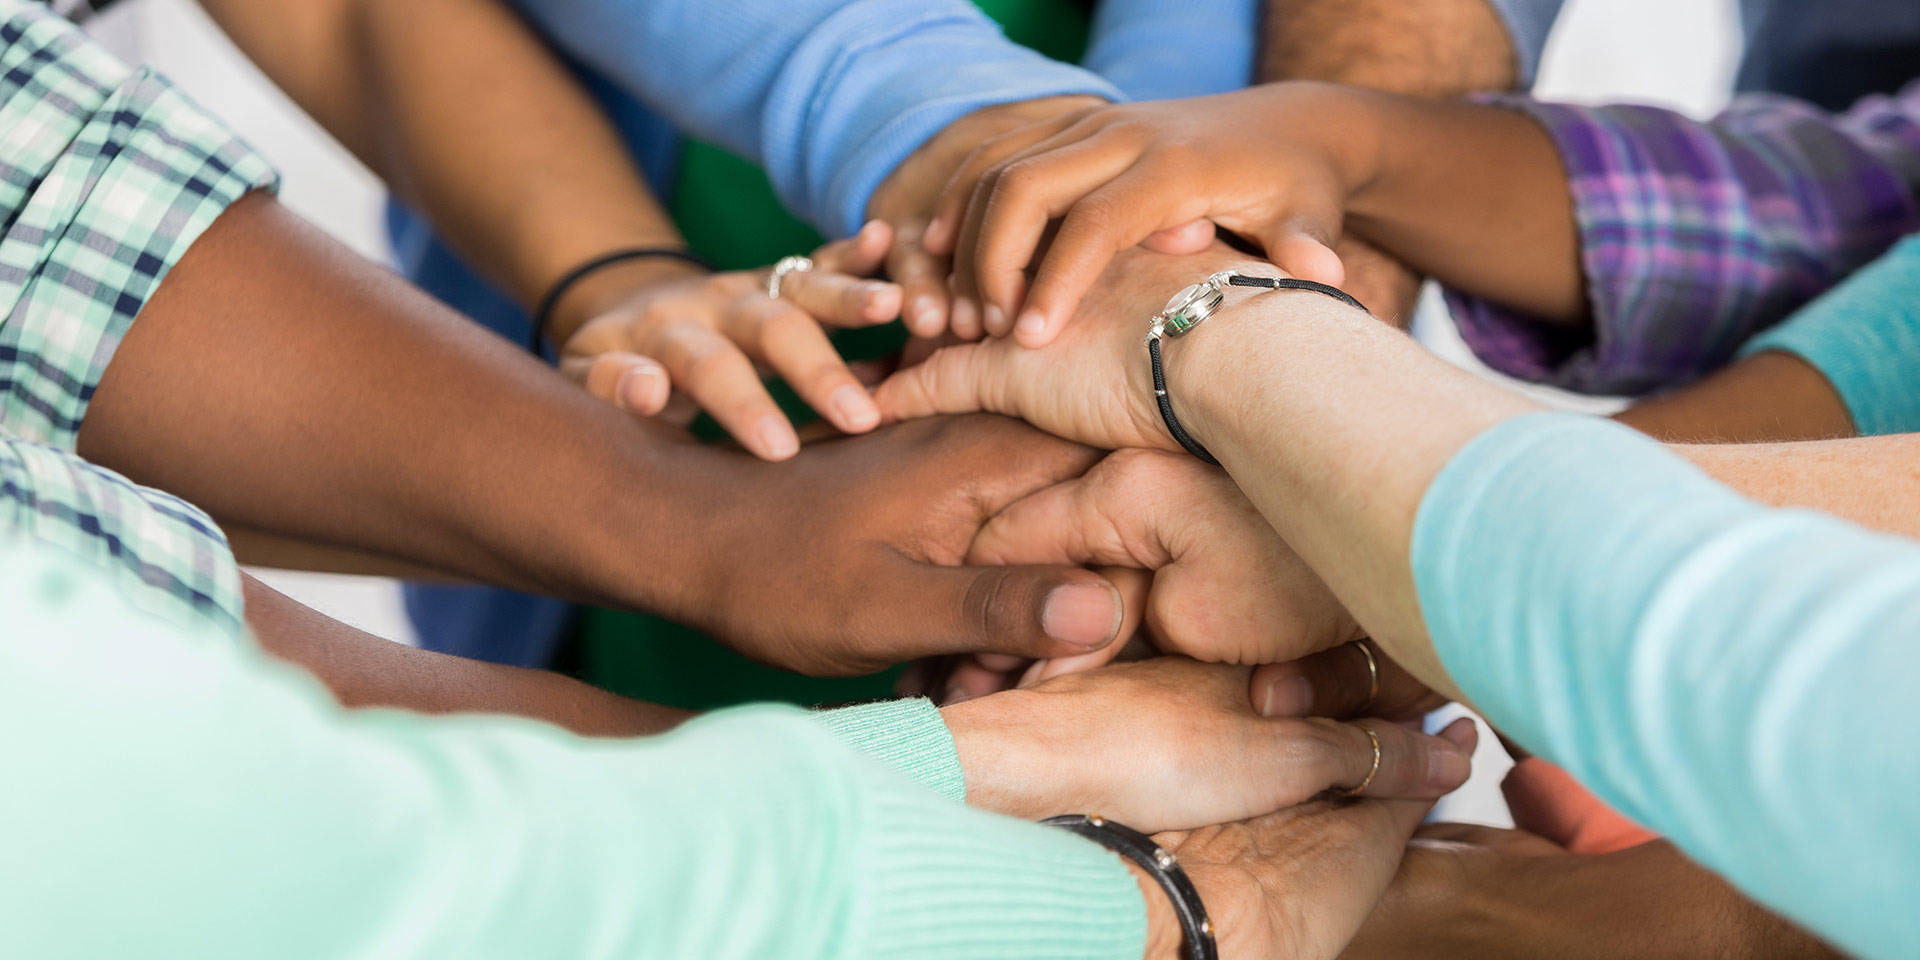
{"type": "Point", "coordinates": [827, 95]}
{"type": "Point", "coordinates": [1745, 680]}
{"type": "Point", "coordinates": [1864, 337]}
{"type": "Point", "coordinates": [1162, 49]}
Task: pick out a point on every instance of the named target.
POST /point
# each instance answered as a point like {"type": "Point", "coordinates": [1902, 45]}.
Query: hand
{"type": "Point", "coordinates": [1225, 587]}
{"type": "Point", "coordinates": [1170, 743]}
{"type": "Point", "coordinates": [1093, 384]}
{"type": "Point", "coordinates": [845, 560]}
{"type": "Point", "coordinates": [1274, 163]}
{"type": "Point", "coordinates": [906, 199]}
{"type": "Point", "coordinates": [703, 334]}
{"type": "Point", "coordinates": [1339, 683]}
{"type": "Point", "coordinates": [1292, 885]}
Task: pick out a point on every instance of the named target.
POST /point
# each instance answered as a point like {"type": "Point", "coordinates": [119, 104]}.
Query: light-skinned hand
{"type": "Point", "coordinates": [707, 337]}
{"type": "Point", "coordinates": [1171, 743]}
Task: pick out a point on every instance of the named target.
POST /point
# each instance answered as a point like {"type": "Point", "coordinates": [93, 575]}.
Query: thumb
{"type": "Point", "coordinates": [1308, 257]}
{"type": "Point", "coordinates": [954, 379]}
{"type": "Point", "coordinates": [1033, 612]}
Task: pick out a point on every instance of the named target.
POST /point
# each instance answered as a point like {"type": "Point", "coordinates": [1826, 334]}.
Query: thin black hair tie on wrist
{"type": "Point", "coordinates": [1195, 304]}
{"type": "Point", "coordinates": [1159, 864]}
{"type": "Point", "coordinates": [544, 311]}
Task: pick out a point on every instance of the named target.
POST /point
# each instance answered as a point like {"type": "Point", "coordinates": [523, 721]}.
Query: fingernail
{"type": "Point", "coordinates": [1290, 696]}
{"type": "Point", "coordinates": [994, 318]}
{"type": "Point", "coordinates": [1447, 765]}
{"type": "Point", "coordinates": [1086, 615]}
{"type": "Point", "coordinates": [777, 440]}
{"type": "Point", "coordinates": [925, 315]}
{"type": "Point", "coordinates": [1031, 324]}
{"type": "Point", "coordinates": [935, 227]}
{"type": "Point", "coordinates": [853, 408]}
{"type": "Point", "coordinates": [630, 381]}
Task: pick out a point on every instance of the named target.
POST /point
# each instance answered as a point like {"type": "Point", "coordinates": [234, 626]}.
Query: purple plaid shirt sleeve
{"type": "Point", "coordinates": [1695, 236]}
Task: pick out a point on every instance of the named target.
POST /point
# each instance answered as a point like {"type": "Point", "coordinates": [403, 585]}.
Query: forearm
{"type": "Point", "coordinates": [293, 388]}
{"type": "Point", "coordinates": [362, 670]}
{"type": "Point", "coordinates": [470, 119]}
{"type": "Point", "coordinates": [1433, 48]}
{"type": "Point", "coordinates": [1767, 398]}
{"type": "Point", "coordinates": [1474, 196]}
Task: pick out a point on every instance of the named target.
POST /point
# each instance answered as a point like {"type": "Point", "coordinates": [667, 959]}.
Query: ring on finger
{"type": "Point", "coordinates": [1374, 771]}
{"type": "Point", "coordinates": [787, 265]}
{"type": "Point", "coordinates": [1373, 673]}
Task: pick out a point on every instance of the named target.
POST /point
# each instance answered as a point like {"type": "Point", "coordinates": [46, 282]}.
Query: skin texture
{"type": "Point", "coordinates": [420, 91]}
{"type": "Point", "coordinates": [1180, 719]}
{"type": "Point", "coordinates": [250, 382]}
{"type": "Point", "coordinates": [1289, 167]}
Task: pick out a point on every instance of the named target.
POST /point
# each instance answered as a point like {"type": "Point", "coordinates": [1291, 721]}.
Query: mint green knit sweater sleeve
{"type": "Point", "coordinates": [1864, 337]}
{"type": "Point", "coordinates": [173, 795]}
{"type": "Point", "coordinates": [1745, 680]}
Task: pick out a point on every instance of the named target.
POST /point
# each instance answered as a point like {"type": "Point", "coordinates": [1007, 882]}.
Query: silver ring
{"type": "Point", "coordinates": [786, 266]}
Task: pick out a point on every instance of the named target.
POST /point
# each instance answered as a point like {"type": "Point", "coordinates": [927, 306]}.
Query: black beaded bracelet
{"type": "Point", "coordinates": [1159, 864]}
{"type": "Point", "coordinates": [1196, 303]}
{"type": "Point", "coordinates": [544, 311]}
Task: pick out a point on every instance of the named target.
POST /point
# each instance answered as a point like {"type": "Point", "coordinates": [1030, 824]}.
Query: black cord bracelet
{"type": "Point", "coordinates": [1158, 863]}
{"type": "Point", "coordinates": [544, 311]}
{"type": "Point", "coordinates": [1187, 311]}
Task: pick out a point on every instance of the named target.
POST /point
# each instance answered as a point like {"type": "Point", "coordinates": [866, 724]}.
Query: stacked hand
{"type": "Point", "coordinates": [705, 337]}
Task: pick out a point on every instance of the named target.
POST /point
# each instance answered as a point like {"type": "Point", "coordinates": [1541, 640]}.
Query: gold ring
{"type": "Point", "coordinates": [1373, 673]}
{"type": "Point", "coordinates": [1374, 739]}
{"type": "Point", "coordinates": [786, 266]}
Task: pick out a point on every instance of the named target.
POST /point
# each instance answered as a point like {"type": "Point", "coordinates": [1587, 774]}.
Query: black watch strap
{"type": "Point", "coordinates": [1180, 434]}
{"type": "Point", "coordinates": [1158, 863]}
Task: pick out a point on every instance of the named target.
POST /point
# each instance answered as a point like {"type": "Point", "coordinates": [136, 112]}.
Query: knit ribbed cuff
{"type": "Point", "coordinates": [952, 882]}
{"type": "Point", "coordinates": [907, 735]}
{"type": "Point", "coordinates": [1863, 337]}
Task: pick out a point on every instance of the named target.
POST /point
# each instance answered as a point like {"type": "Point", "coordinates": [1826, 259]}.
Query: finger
{"type": "Point", "coordinates": [860, 255]}
{"type": "Point", "coordinates": [955, 379]}
{"type": "Point", "coordinates": [1032, 612]}
{"type": "Point", "coordinates": [709, 368]}
{"type": "Point", "coordinates": [1308, 257]}
{"type": "Point", "coordinates": [1012, 210]}
{"type": "Point", "coordinates": [1134, 586]}
{"type": "Point", "coordinates": [972, 679]}
{"type": "Point", "coordinates": [943, 230]}
{"type": "Point", "coordinates": [629, 381]}
{"type": "Point", "coordinates": [963, 312]}
{"type": "Point", "coordinates": [1060, 524]}
{"type": "Point", "coordinates": [1336, 683]}
{"type": "Point", "coordinates": [922, 277]}
{"type": "Point", "coordinates": [1180, 241]}
{"type": "Point", "coordinates": [1411, 765]}
{"type": "Point", "coordinates": [840, 300]}
{"type": "Point", "coordinates": [790, 342]}
{"type": "Point", "coordinates": [1106, 221]}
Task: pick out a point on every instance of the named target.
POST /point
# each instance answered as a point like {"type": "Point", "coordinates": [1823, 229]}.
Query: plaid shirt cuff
{"type": "Point", "coordinates": [107, 176]}
{"type": "Point", "coordinates": [169, 558]}
{"type": "Point", "coordinates": [1695, 236]}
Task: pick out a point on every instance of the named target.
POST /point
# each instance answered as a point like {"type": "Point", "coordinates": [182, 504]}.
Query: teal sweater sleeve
{"type": "Point", "coordinates": [1864, 337]}
{"type": "Point", "coordinates": [171, 794]}
{"type": "Point", "coordinates": [1743, 679]}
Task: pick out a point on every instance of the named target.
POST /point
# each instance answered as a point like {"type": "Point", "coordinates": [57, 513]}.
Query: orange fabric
{"type": "Point", "coordinates": [1548, 802]}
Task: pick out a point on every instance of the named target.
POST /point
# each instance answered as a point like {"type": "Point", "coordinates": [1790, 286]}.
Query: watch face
{"type": "Point", "coordinates": [1190, 306]}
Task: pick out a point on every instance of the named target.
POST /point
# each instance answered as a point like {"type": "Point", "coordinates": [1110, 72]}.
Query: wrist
{"type": "Point", "coordinates": [608, 287]}
{"type": "Point", "coordinates": [1003, 754]}
{"type": "Point", "coordinates": [1165, 939]}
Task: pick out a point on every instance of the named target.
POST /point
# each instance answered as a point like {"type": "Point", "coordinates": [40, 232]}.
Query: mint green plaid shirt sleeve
{"type": "Point", "coordinates": [167, 558]}
{"type": "Point", "coordinates": [107, 176]}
